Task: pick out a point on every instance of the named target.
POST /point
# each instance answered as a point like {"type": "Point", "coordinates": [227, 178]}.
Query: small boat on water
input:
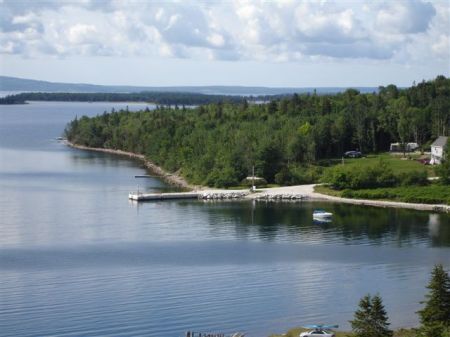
{"type": "Point", "coordinates": [320, 214]}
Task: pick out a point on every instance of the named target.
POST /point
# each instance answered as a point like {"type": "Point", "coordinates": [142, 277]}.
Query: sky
{"type": "Point", "coordinates": [282, 43]}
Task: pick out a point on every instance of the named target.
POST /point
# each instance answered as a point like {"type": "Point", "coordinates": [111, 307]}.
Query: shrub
{"type": "Point", "coordinates": [296, 174]}
{"type": "Point", "coordinates": [341, 177]}
{"type": "Point", "coordinates": [284, 177]}
{"type": "Point", "coordinates": [225, 177]}
{"type": "Point", "coordinates": [414, 178]}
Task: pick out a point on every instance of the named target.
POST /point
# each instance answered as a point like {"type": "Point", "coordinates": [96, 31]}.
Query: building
{"type": "Point", "coordinates": [437, 150]}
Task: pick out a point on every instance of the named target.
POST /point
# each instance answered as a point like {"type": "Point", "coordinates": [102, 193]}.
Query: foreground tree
{"type": "Point", "coordinates": [435, 317]}
{"type": "Point", "coordinates": [443, 170]}
{"type": "Point", "coordinates": [371, 318]}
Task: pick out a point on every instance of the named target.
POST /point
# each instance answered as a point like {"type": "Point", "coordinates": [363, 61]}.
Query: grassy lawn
{"type": "Point", "coordinates": [431, 194]}
{"type": "Point", "coordinates": [296, 332]}
{"type": "Point", "coordinates": [324, 189]}
{"type": "Point", "coordinates": [396, 161]}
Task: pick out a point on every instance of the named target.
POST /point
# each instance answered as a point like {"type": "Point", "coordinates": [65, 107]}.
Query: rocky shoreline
{"type": "Point", "coordinates": [297, 193]}
{"type": "Point", "coordinates": [171, 178]}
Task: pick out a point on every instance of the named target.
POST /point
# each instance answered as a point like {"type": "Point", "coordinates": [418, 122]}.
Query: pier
{"type": "Point", "coordinates": [217, 195]}
{"type": "Point", "coordinates": [206, 195]}
{"type": "Point", "coordinates": [163, 196]}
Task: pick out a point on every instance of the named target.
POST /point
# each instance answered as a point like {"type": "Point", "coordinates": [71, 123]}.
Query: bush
{"type": "Point", "coordinates": [342, 177]}
{"type": "Point", "coordinates": [298, 174]}
{"type": "Point", "coordinates": [225, 177]}
{"type": "Point", "coordinates": [369, 194]}
{"type": "Point", "coordinates": [419, 178]}
{"type": "Point", "coordinates": [430, 194]}
{"type": "Point", "coordinates": [284, 177]}
{"type": "Point", "coordinates": [443, 171]}
{"type": "Point", "coordinates": [378, 176]}
{"type": "Point", "coordinates": [338, 177]}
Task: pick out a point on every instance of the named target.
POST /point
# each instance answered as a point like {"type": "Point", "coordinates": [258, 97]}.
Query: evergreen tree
{"type": "Point", "coordinates": [371, 318]}
{"type": "Point", "coordinates": [379, 318]}
{"type": "Point", "coordinates": [361, 324]}
{"type": "Point", "coordinates": [435, 317]}
{"type": "Point", "coordinates": [443, 170]}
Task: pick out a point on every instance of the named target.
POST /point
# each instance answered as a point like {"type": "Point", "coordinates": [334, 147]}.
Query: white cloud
{"type": "Point", "coordinates": [216, 40]}
{"type": "Point", "coordinates": [442, 46]}
{"type": "Point", "coordinates": [405, 17]}
{"type": "Point", "coordinates": [322, 25]}
{"type": "Point", "coordinates": [82, 34]}
{"type": "Point", "coordinates": [281, 31]}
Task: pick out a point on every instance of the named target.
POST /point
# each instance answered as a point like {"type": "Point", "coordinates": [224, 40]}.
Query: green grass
{"type": "Point", "coordinates": [396, 162]}
{"type": "Point", "coordinates": [325, 189]}
{"type": "Point", "coordinates": [398, 333]}
{"type": "Point", "coordinates": [431, 194]}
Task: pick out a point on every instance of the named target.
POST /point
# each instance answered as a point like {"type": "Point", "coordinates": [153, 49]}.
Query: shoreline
{"type": "Point", "coordinates": [306, 190]}
{"type": "Point", "coordinates": [385, 203]}
{"type": "Point", "coordinates": [171, 178]}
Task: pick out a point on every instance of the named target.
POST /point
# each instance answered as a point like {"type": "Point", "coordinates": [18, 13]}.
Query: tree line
{"type": "Point", "coordinates": [217, 144]}
{"type": "Point", "coordinates": [166, 98]}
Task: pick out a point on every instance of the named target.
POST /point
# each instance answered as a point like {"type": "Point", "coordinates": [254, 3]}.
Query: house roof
{"type": "Point", "coordinates": [440, 141]}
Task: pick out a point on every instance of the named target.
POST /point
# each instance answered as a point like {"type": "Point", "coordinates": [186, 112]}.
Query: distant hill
{"type": "Point", "coordinates": [19, 84]}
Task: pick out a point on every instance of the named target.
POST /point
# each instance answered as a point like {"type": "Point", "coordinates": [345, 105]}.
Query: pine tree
{"type": "Point", "coordinates": [379, 318]}
{"type": "Point", "coordinates": [435, 317]}
{"type": "Point", "coordinates": [362, 323]}
{"type": "Point", "coordinates": [371, 318]}
{"type": "Point", "coordinates": [443, 170]}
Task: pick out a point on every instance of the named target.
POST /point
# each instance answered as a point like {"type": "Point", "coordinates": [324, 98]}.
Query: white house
{"type": "Point", "coordinates": [437, 150]}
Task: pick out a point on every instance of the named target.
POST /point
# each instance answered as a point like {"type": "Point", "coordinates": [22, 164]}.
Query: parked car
{"type": "Point", "coordinates": [319, 330]}
{"type": "Point", "coordinates": [317, 333]}
{"type": "Point", "coordinates": [353, 154]}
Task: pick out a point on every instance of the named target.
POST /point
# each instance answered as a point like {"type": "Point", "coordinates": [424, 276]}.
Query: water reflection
{"type": "Point", "coordinates": [351, 224]}
{"type": "Point", "coordinates": [76, 253]}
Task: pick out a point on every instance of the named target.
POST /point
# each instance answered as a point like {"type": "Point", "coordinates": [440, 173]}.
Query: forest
{"type": "Point", "coordinates": [165, 98]}
{"type": "Point", "coordinates": [287, 140]}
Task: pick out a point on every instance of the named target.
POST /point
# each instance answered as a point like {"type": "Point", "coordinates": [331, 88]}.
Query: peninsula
{"type": "Point", "coordinates": [295, 140]}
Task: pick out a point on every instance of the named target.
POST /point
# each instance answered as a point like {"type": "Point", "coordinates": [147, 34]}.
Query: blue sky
{"type": "Point", "coordinates": [263, 43]}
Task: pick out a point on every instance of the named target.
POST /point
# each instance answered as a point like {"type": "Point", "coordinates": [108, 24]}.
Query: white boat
{"type": "Point", "coordinates": [320, 214]}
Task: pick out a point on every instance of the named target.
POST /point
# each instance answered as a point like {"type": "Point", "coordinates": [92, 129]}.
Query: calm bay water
{"type": "Point", "coordinates": [78, 259]}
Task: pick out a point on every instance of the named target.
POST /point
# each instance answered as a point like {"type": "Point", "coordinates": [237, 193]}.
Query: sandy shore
{"type": "Point", "coordinates": [305, 190]}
